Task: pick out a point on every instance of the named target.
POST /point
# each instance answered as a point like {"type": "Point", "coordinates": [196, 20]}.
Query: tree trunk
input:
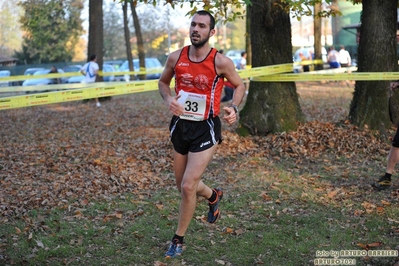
{"type": "Point", "coordinates": [140, 41]}
{"type": "Point", "coordinates": [377, 53]}
{"type": "Point", "coordinates": [95, 45]}
{"type": "Point", "coordinates": [270, 106]}
{"type": "Point", "coordinates": [127, 38]}
{"type": "Point", "coordinates": [317, 36]}
{"type": "Point", "coordinates": [248, 46]}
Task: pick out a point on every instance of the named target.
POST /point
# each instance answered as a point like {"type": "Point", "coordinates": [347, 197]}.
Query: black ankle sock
{"type": "Point", "coordinates": [388, 176]}
{"type": "Point", "coordinates": [178, 238]}
{"type": "Point", "coordinates": [213, 197]}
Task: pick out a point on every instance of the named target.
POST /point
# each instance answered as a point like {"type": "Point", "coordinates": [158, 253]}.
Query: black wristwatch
{"type": "Point", "coordinates": [234, 107]}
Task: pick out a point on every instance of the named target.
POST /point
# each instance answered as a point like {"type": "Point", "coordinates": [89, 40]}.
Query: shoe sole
{"type": "Point", "coordinates": [220, 195]}
{"type": "Point", "coordinates": [172, 257]}
{"type": "Point", "coordinates": [217, 218]}
{"type": "Point", "coordinates": [380, 188]}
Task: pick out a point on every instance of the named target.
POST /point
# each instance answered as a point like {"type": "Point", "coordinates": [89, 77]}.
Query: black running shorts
{"type": "Point", "coordinates": [395, 141]}
{"type": "Point", "coordinates": [194, 136]}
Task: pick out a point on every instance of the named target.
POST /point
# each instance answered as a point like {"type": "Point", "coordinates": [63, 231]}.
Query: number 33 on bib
{"type": "Point", "coordinates": [194, 106]}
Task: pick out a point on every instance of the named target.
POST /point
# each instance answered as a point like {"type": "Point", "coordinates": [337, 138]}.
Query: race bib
{"type": "Point", "coordinates": [194, 106]}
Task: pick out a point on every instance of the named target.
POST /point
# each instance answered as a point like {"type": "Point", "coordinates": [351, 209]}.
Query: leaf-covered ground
{"type": "Point", "coordinates": [69, 156]}
{"type": "Point", "coordinates": [74, 152]}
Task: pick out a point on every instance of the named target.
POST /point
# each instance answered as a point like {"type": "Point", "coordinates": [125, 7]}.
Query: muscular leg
{"type": "Point", "coordinates": [393, 159]}
{"type": "Point", "coordinates": [188, 170]}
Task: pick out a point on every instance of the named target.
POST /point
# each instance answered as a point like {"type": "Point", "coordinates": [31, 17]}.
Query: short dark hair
{"type": "Point", "coordinates": [92, 57]}
{"type": "Point", "coordinates": [206, 13]}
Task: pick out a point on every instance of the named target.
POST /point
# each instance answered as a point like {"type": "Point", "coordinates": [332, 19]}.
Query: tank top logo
{"type": "Point", "coordinates": [183, 64]}
{"type": "Point", "coordinates": [201, 81]}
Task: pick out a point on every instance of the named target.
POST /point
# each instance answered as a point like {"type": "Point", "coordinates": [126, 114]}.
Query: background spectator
{"type": "Point", "coordinates": [344, 57]}
{"type": "Point", "coordinates": [333, 58]}
{"type": "Point", "coordinates": [52, 71]}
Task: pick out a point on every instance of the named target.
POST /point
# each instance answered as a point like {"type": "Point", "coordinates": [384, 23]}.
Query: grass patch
{"type": "Point", "coordinates": [271, 219]}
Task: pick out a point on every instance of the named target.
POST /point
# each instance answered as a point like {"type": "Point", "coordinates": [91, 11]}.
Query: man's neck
{"type": "Point", "coordinates": [198, 54]}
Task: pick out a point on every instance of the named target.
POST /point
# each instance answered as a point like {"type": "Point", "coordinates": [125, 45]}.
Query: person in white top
{"type": "Point", "coordinates": [333, 58]}
{"type": "Point", "coordinates": [344, 57]}
{"type": "Point", "coordinates": [90, 71]}
{"type": "Point", "coordinates": [243, 61]}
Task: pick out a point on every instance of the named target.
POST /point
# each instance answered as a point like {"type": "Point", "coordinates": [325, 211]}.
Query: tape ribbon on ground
{"type": "Point", "coordinates": [79, 91]}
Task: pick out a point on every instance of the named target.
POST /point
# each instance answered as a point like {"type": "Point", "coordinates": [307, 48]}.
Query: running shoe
{"type": "Point", "coordinates": [214, 212]}
{"type": "Point", "coordinates": [382, 184]}
{"type": "Point", "coordinates": [175, 250]}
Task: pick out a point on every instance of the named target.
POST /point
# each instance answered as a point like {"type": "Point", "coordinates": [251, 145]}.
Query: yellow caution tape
{"type": "Point", "coordinates": [45, 76]}
{"type": "Point", "coordinates": [335, 70]}
{"type": "Point", "coordinates": [310, 62]}
{"type": "Point", "coordinates": [79, 91]}
{"type": "Point", "coordinates": [266, 70]}
{"type": "Point", "coordinates": [142, 72]}
{"type": "Point", "coordinates": [77, 94]}
{"type": "Point", "coordinates": [335, 77]}
{"type": "Point", "coordinates": [246, 73]}
{"type": "Point", "coordinates": [66, 86]}
{"type": "Point", "coordinates": [74, 74]}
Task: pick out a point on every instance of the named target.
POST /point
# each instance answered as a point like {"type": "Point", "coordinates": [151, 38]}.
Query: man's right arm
{"type": "Point", "coordinates": [164, 85]}
{"type": "Point", "coordinates": [166, 78]}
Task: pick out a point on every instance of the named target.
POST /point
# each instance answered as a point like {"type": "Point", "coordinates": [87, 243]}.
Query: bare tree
{"type": "Point", "coordinates": [317, 35]}
{"type": "Point", "coordinates": [139, 36]}
{"type": "Point", "coordinates": [127, 36]}
{"type": "Point", "coordinates": [96, 35]}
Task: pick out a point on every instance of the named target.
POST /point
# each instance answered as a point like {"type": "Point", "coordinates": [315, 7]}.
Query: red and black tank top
{"type": "Point", "coordinates": [199, 85]}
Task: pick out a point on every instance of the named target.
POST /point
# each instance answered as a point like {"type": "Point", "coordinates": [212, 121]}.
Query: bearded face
{"type": "Point", "coordinates": [200, 31]}
{"type": "Point", "coordinates": [198, 41]}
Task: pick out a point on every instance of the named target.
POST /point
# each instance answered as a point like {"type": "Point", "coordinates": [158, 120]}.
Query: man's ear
{"type": "Point", "coordinates": [212, 32]}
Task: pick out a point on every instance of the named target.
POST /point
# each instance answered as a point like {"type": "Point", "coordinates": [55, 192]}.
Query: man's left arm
{"type": "Point", "coordinates": [226, 68]}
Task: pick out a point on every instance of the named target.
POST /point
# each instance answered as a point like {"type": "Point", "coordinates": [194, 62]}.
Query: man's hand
{"type": "Point", "coordinates": [174, 106]}
{"type": "Point", "coordinates": [230, 115]}
{"type": "Point", "coordinates": [394, 85]}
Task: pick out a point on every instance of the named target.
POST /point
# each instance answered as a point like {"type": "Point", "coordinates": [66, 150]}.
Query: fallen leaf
{"type": "Point", "coordinates": [221, 262]}
{"type": "Point", "coordinates": [238, 232]}
{"type": "Point", "coordinates": [265, 196]}
{"type": "Point", "coordinates": [228, 230]}
{"type": "Point", "coordinates": [332, 194]}
{"type": "Point", "coordinates": [159, 263]}
{"type": "Point", "coordinates": [39, 244]}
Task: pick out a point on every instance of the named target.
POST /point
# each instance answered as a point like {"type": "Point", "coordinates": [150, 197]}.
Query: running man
{"type": "Point", "coordinates": [195, 129]}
